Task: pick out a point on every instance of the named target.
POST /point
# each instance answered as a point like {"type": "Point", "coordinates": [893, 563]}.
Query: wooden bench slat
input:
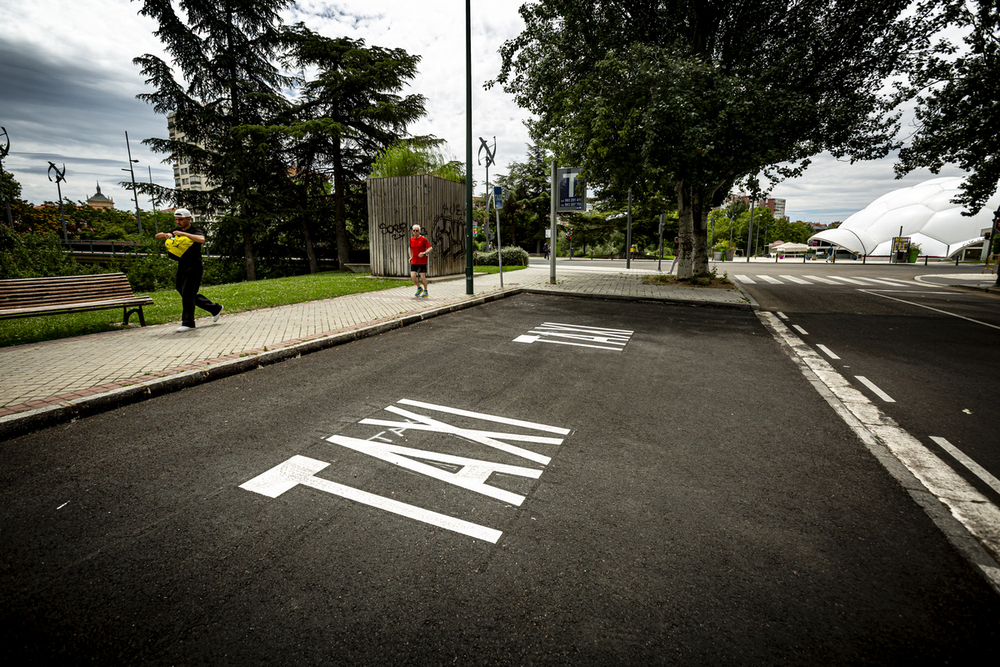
{"type": "Point", "coordinates": [28, 297]}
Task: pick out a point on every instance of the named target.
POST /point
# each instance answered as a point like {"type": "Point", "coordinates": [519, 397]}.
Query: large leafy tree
{"type": "Point", "coordinates": [684, 98]}
{"type": "Point", "coordinates": [348, 112]}
{"type": "Point", "coordinates": [525, 212]}
{"type": "Point", "coordinates": [226, 93]}
{"type": "Point", "coordinates": [958, 116]}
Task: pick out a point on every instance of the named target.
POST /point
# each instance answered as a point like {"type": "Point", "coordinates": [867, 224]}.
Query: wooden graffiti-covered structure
{"type": "Point", "coordinates": [397, 203]}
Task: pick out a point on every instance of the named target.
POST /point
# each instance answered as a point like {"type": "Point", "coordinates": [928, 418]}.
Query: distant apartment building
{"type": "Point", "coordinates": [776, 206]}
{"type": "Point", "coordinates": [185, 178]}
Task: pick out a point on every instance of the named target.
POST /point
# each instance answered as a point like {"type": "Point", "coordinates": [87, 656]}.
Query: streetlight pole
{"type": "Point", "coordinates": [135, 193]}
{"type": "Point", "coordinates": [468, 147]}
{"type": "Point", "coordinates": [156, 224]}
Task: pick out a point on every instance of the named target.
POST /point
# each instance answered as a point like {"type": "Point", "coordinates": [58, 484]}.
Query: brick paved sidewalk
{"type": "Point", "coordinates": [53, 381]}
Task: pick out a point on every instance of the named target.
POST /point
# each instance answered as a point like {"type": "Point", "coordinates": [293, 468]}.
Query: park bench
{"type": "Point", "coordinates": [31, 297]}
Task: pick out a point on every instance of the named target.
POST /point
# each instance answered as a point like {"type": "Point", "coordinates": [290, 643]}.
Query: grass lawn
{"type": "Point", "coordinates": [236, 297]}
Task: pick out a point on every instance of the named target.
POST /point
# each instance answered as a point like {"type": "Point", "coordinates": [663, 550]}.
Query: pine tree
{"type": "Point", "coordinates": [226, 94]}
{"type": "Point", "coordinates": [348, 113]}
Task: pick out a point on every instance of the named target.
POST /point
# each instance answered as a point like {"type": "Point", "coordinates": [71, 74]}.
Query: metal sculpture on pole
{"type": "Point", "coordinates": [4, 150]}
{"type": "Point", "coordinates": [60, 177]}
{"type": "Point", "coordinates": [490, 159]}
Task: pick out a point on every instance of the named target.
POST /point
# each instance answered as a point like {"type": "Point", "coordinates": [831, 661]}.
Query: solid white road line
{"type": "Point", "coordinates": [827, 351]}
{"type": "Point", "coordinates": [884, 281]}
{"type": "Point", "coordinates": [885, 438]}
{"type": "Point", "coordinates": [936, 310]}
{"type": "Point", "coordinates": [960, 456]}
{"type": "Point", "coordinates": [878, 392]}
{"type": "Point", "coordinates": [480, 415]}
{"type": "Point", "coordinates": [302, 470]}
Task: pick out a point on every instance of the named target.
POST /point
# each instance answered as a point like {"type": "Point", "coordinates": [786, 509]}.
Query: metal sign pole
{"type": "Point", "coordinates": [628, 233]}
{"type": "Point", "coordinates": [552, 224]}
{"type": "Point", "coordinates": [659, 255]}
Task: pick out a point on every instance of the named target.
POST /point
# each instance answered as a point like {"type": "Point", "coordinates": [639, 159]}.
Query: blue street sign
{"type": "Point", "coordinates": [498, 196]}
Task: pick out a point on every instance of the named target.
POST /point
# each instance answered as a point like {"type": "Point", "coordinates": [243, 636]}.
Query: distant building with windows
{"type": "Point", "coordinates": [776, 206]}
{"type": "Point", "coordinates": [185, 178]}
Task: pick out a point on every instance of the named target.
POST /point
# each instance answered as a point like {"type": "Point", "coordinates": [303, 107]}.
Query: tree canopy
{"type": "Point", "coordinates": [958, 119]}
{"type": "Point", "coordinates": [683, 98]}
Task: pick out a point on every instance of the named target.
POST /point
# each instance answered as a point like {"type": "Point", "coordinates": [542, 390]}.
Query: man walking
{"type": "Point", "coordinates": [184, 246]}
{"type": "Point", "coordinates": [420, 247]}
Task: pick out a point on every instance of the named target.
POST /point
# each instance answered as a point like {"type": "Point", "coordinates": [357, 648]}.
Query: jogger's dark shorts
{"type": "Point", "coordinates": [418, 268]}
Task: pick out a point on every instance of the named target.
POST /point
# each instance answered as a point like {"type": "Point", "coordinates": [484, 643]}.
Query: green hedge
{"type": "Point", "coordinates": [512, 256]}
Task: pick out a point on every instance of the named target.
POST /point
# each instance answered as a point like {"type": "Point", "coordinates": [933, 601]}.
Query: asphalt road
{"type": "Point", "coordinates": [929, 350]}
{"type": "Point", "coordinates": [683, 497]}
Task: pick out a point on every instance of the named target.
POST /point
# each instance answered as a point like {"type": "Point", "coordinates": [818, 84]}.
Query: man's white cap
{"type": "Point", "coordinates": [182, 213]}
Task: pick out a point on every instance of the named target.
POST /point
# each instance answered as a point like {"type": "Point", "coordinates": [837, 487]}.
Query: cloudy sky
{"type": "Point", "coordinates": [68, 87]}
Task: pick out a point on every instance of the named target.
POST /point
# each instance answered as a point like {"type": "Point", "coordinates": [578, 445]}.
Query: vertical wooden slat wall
{"type": "Point", "coordinates": [395, 204]}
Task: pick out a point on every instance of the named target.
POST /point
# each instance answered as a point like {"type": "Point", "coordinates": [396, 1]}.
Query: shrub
{"type": "Point", "coordinates": [512, 256]}
{"type": "Point", "coordinates": [34, 256]}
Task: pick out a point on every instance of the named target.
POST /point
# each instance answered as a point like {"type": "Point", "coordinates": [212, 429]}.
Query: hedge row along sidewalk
{"type": "Point", "coordinates": [55, 381]}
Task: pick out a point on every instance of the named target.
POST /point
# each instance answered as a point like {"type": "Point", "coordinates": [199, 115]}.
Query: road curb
{"type": "Point", "coordinates": [28, 421]}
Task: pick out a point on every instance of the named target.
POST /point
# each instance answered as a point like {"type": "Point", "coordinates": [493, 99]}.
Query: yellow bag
{"type": "Point", "coordinates": [177, 245]}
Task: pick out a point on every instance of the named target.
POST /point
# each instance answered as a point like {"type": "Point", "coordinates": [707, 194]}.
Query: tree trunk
{"type": "Point", "coordinates": [340, 226]}
{"type": "Point", "coordinates": [304, 218]}
{"type": "Point", "coordinates": [692, 229]}
{"type": "Point", "coordinates": [249, 254]}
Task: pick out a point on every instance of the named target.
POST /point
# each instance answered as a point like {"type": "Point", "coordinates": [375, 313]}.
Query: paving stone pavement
{"type": "Point", "coordinates": [54, 381]}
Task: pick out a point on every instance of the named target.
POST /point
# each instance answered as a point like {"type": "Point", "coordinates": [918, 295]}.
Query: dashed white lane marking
{"type": "Point", "coordinates": [821, 280]}
{"type": "Point", "coordinates": [878, 392]}
{"type": "Point", "coordinates": [800, 330]}
{"type": "Point", "coordinates": [782, 315]}
{"type": "Point", "coordinates": [827, 351]}
{"type": "Point", "coordinates": [746, 279]}
{"type": "Point", "coordinates": [882, 435]}
{"type": "Point", "coordinates": [960, 456]}
{"type": "Point", "coordinates": [936, 310]}
{"type": "Point", "coordinates": [797, 280]}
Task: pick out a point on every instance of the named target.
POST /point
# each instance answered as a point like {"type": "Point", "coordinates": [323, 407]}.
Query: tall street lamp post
{"type": "Point", "coordinates": [468, 147]}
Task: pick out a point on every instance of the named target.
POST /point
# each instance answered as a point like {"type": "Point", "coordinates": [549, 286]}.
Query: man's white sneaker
{"type": "Point", "coordinates": [215, 318]}
{"type": "Point", "coordinates": [185, 329]}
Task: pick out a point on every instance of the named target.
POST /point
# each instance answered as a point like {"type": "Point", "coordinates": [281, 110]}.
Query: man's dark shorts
{"type": "Point", "coordinates": [418, 268]}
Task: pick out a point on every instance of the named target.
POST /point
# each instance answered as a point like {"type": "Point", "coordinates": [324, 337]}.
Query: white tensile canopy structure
{"type": "Point", "coordinates": [926, 214]}
{"type": "Point", "coordinates": [789, 248]}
